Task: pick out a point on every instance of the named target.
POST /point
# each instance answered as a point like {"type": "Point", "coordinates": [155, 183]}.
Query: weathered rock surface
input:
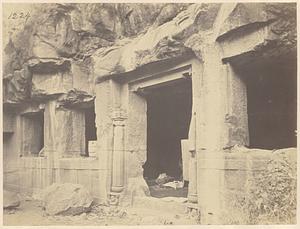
{"type": "Point", "coordinates": [17, 86]}
{"type": "Point", "coordinates": [97, 40]}
{"type": "Point", "coordinates": [138, 186]}
{"type": "Point", "coordinates": [10, 200]}
{"type": "Point", "coordinates": [269, 186]}
{"type": "Point", "coordinates": [75, 97]}
{"type": "Point", "coordinates": [65, 199]}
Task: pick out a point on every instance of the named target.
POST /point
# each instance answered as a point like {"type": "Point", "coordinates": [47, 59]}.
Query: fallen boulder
{"type": "Point", "coordinates": [66, 199]}
{"type": "Point", "coordinates": [11, 200]}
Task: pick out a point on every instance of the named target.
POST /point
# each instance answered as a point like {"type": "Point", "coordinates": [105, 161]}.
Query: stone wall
{"type": "Point", "coordinates": [68, 54]}
{"type": "Point", "coordinates": [61, 158]}
{"type": "Point", "coordinates": [122, 38]}
{"type": "Point", "coordinates": [239, 168]}
{"type": "Point", "coordinates": [10, 150]}
{"type": "Point", "coordinates": [36, 173]}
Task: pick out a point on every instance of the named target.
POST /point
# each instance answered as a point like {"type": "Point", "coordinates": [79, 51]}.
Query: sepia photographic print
{"type": "Point", "coordinates": [149, 113]}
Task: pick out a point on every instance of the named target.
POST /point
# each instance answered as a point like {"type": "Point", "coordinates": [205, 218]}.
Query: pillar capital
{"type": "Point", "coordinates": [118, 122]}
{"type": "Point", "coordinates": [119, 115]}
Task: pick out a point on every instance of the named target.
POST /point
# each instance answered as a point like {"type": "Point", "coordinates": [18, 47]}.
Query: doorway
{"type": "Point", "coordinates": [32, 134]}
{"type": "Point", "coordinates": [272, 103]}
{"type": "Point", "coordinates": [169, 110]}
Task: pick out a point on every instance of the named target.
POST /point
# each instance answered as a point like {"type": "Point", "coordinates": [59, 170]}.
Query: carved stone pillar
{"type": "Point", "coordinates": [192, 192]}
{"type": "Point", "coordinates": [118, 155]}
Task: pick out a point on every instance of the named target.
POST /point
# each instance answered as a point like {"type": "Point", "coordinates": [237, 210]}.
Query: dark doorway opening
{"type": "Point", "coordinates": [32, 133]}
{"type": "Point", "coordinates": [272, 104]}
{"type": "Point", "coordinates": [169, 111]}
{"type": "Point", "coordinates": [90, 131]}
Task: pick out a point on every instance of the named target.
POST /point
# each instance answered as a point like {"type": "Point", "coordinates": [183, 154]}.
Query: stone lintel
{"type": "Point", "coordinates": [244, 44]}
{"type": "Point", "coordinates": [48, 65]}
{"type": "Point", "coordinates": [146, 71]}
{"type": "Point", "coordinates": [32, 107]}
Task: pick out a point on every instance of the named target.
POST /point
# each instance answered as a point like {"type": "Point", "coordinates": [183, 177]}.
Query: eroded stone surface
{"type": "Point", "coordinates": [65, 199]}
{"type": "Point", "coordinates": [10, 200]}
{"type": "Point", "coordinates": [68, 48]}
{"type": "Point", "coordinates": [122, 37]}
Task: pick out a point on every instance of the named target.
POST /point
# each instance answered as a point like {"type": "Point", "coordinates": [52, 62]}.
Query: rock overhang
{"type": "Point", "coordinates": [175, 31]}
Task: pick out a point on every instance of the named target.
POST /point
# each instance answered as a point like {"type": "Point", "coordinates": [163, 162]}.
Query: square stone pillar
{"type": "Point", "coordinates": [70, 132]}
{"type": "Point", "coordinates": [195, 132]}
{"type": "Point", "coordinates": [50, 151]}
{"type": "Point", "coordinates": [220, 106]}
{"type": "Point", "coordinates": [103, 110]}
{"type": "Point", "coordinates": [64, 137]}
{"type": "Point", "coordinates": [136, 147]}
{"type": "Point", "coordinates": [137, 134]}
{"type": "Point", "coordinates": [110, 122]}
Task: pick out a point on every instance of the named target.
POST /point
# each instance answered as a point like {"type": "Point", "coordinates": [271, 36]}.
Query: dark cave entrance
{"type": "Point", "coordinates": [90, 131]}
{"type": "Point", "coordinates": [32, 133]}
{"type": "Point", "coordinates": [168, 118]}
{"type": "Point", "coordinates": [272, 103]}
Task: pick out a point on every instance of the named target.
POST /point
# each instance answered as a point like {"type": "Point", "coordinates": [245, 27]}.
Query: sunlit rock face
{"type": "Point", "coordinates": [88, 41]}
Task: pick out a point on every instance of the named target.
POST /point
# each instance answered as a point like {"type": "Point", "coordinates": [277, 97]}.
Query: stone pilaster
{"type": "Point", "coordinates": [192, 191]}
{"type": "Point", "coordinates": [110, 122]}
{"type": "Point", "coordinates": [236, 114]}
{"type": "Point", "coordinates": [70, 132]}
{"type": "Point", "coordinates": [118, 153]}
{"type": "Point", "coordinates": [49, 143]}
{"type": "Point", "coordinates": [104, 123]}
{"type": "Point", "coordinates": [64, 137]}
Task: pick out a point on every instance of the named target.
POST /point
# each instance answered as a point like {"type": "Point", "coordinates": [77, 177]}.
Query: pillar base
{"type": "Point", "coordinates": [193, 198]}
{"type": "Point", "coordinates": [114, 199]}
{"type": "Point", "coordinates": [193, 211]}
{"type": "Point", "coordinates": [117, 189]}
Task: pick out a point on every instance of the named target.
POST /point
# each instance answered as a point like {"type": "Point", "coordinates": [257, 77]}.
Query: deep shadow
{"type": "Point", "coordinates": [33, 125]}
{"type": "Point", "coordinates": [272, 104]}
{"type": "Point", "coordinates": [90, 127]}
{"type": "Point", "coordinates": [168, 119]}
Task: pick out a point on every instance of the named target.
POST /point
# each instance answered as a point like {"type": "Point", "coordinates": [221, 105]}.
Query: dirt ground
{"type": "Point", "coordinates": [30, 213]}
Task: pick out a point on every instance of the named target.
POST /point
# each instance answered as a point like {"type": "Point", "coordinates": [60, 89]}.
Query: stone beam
{"type": "Point", "coordinates": [49, 65]}
{"type": "Point", "coordinates": [159, 79]}
{"type": "Point", "coordinates": [253, 31]}
{"type": "Point", "coordinates": [243, 44]}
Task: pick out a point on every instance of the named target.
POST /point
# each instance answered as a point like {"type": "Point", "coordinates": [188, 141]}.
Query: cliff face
{"type": "Point", "coordinates": [66, 47]}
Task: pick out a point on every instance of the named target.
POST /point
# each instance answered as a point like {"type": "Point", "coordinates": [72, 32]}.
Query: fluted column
{"type": "Point", "coordinates": [118, 155]}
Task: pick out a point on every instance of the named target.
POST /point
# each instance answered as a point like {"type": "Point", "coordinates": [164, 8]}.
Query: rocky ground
{"type": "Point", "coordinates": [31, 213]}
